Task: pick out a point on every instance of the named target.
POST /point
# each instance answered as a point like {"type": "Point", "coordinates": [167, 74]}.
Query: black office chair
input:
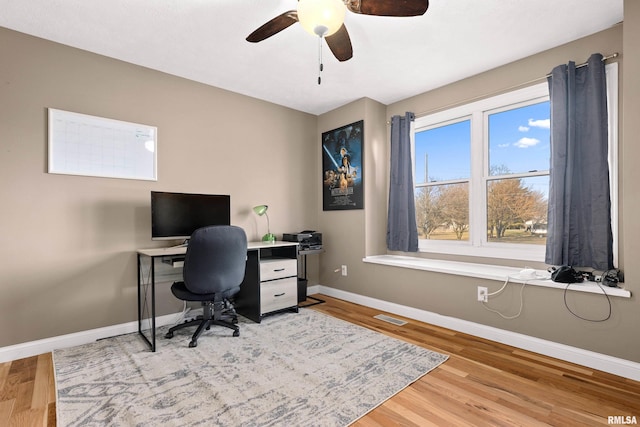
{"type": "Point", "coordinates": [213, 271]}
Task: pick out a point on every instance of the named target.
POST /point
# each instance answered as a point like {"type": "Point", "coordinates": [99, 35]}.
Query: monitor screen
{"type": "Point", "coordinates": [177, 215]}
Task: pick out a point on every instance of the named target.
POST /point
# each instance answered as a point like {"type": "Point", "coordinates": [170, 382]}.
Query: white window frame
{"type": "Point", "coordinates": [477, 245]}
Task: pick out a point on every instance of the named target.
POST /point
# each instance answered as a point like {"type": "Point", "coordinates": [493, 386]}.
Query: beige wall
{"type": "Point", "coordinates": [68, 242]}
{"type": "Point", "coordinates": [67, 259]}
{"type": "Point", "coordinates": [544, 314]}
{"type": "Point", "coordinates": [629, 154]}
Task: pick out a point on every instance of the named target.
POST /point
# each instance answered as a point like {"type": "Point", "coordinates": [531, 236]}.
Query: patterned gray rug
{"type": "Point", "coordinates": [305, 369]}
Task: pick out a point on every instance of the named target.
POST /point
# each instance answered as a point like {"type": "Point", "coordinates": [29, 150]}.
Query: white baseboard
{"type": "Point", "coordinates": [602, 362]}
{"type": "Point", "coordinates": [46, 345]}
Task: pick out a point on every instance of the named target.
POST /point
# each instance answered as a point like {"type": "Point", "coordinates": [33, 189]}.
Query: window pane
{"type": "Point", "coordinates": [519, 140]}
{"type": "Point", "coordinates": [442, 212]}
{"type": "Point", "coordinates": [517, 210]}
{"type": "Point", "coordinates": [443, 153]}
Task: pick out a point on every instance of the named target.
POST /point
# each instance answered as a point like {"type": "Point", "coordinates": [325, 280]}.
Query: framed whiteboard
{"type": "Point", "coordinates": [80, 144]}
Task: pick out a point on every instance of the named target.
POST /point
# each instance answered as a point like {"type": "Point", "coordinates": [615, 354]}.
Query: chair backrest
{"type": "Point", "coordinates": [215, 260]}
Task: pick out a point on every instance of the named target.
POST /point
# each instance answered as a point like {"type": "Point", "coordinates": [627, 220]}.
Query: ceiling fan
{"type": "Point", "coordinates": [325, 18]}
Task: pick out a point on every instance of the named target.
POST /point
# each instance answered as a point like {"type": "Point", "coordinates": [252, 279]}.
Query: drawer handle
{"type": "Point", "coordinates": [278, 269]}
{"type": "Point", "coordinates": [279, 295]}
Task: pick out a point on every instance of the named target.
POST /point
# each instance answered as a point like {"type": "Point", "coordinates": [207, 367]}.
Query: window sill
{"type": "Point", "coordinates": [491, 272]}
{"type": "Point", "coordinates": [519, 252]}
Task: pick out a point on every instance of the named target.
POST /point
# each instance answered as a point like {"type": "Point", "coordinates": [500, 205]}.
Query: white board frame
{"type": "Point", "coordinates": [80, 144]}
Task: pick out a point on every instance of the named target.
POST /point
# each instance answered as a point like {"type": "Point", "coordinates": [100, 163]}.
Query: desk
{"type": "Point", "coordinates": [269, 286]}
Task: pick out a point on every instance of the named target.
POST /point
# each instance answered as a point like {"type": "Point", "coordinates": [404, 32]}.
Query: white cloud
{"type": "Point", "coordinates": [545, 124]}
{"type": "Point", "coordinates": [526, 142]}
{"type": "Point", "coordinates": [523, 128]}
{"type": "Point", "coordinates": [503, 145]}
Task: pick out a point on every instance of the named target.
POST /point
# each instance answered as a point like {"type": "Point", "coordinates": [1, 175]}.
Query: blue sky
{"type": "Point", "coordinates": [519, 139]}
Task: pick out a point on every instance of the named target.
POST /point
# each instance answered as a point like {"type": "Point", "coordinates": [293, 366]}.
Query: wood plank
{"type": "Point", "coordinates": [4, 373]}
{"type": "Point", "coordinates": [6, 409]}
{"type": "Point", "coordinates": [51, 416]}
{"type": "Point", "coordinates": [28, 418]}
{"type": "Point", "coordinates": [44, 369]}
{"type": "Point", "coordinates": [24, 396]}
{"type": "Point", "coordinates": [10, 388]}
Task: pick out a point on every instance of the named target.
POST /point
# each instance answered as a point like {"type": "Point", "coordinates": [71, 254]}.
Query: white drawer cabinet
{"type": "Point", "coordinates": [278, 294]}
{"type": "Point", "coordinates": [271, 280]}
{"type": "Point", "coordinates": [277, 268]}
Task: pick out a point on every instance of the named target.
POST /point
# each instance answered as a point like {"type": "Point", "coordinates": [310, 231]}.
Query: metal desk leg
{"type": "Point", "coordinates": [318, 300]}
{"type": "Point", "coordinates": [145, 284]}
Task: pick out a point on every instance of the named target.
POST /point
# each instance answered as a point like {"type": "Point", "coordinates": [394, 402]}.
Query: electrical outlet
{"type": "Point", "coordinates": [344, 270]}
{"type": "Point", "coordinates": [483, 294]}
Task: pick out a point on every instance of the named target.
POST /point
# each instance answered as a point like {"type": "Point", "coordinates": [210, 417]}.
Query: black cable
{"type": "Point", "coordinates": [584, 318]}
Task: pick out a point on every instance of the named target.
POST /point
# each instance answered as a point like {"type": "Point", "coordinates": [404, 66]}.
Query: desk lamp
{"type": "Point", "coordinates": [262, 210]}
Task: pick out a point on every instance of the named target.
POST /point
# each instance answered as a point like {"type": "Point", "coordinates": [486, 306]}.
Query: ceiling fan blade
{"type": "Point", "coordinates": [274, 26]}
{"type": "Point", "coordinates": [389, 7]}
{"type": "Point", "coordinates": [340, 44]}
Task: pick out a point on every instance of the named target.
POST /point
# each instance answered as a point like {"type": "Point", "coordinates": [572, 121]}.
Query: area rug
{"type": "Point", "coordinates": [293, 369]}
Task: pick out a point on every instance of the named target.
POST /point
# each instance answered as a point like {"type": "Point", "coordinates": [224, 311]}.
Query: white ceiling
{"type": "Point", "coordinates": [394, 58]}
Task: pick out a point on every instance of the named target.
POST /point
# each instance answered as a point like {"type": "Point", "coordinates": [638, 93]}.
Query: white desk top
{"type": "Point", "coordinates": [260, 245]}
{"type": "Point", "coordinates": [181, 250]}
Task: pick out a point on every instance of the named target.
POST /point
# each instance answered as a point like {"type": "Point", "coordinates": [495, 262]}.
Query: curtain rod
{"type": "Point", "coordinates": [584, 64]}
{"type": "Point", "coordinates": [475, 98]}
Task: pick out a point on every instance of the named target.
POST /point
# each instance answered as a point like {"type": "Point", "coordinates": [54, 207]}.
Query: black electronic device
{"type": "Point", "coordinates": [307, 239]}
{"type": "Point", "coordinates": [176, 216]}
{"type": "Point", "coordinates": [566, 274]}
{"type": "Point", "coordinates": [611, 278]}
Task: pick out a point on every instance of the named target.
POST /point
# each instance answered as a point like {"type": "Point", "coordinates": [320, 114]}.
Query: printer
{"type": "Point", "coordinates": [307, 239]}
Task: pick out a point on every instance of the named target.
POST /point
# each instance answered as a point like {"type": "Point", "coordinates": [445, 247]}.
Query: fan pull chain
{"type": "Point", "coordinates": [320, 66]}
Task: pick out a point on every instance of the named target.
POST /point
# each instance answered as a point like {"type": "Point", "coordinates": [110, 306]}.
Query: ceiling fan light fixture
{"type": "Point", "coordinates": [321, 17]}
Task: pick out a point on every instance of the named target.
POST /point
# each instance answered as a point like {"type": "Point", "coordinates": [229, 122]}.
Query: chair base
{"type": "Point", "coordinates": [213, 314]}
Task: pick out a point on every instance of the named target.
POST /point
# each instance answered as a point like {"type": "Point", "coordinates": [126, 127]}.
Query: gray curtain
{"type": "Point", "coordinates": [579, 221]}
{"type": "Point", "coordinates": [402, 231]}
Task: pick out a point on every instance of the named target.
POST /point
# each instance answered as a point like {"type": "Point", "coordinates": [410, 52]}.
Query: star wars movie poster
{"type": "Point", "coordinates": [342, 178]}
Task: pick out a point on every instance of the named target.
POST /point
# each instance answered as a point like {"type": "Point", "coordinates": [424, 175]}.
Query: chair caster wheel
{"type": "Point", "coordinates": [168, 335]}
{"type": "Point", "coordinates": [193, 344]}
{"type": "Point", "coordinates": [236, 333]}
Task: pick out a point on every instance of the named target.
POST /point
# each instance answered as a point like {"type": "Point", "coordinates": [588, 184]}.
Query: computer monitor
{"type": "Point", "coordinates": [176, 216]}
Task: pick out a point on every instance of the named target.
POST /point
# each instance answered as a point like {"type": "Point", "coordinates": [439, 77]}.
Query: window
{"type": "Point", "coordinates": [517, 177]}
{"type": "Point", "coordinates": [481, 174]}
{"type": "Point", "coordinates": [443, 170]}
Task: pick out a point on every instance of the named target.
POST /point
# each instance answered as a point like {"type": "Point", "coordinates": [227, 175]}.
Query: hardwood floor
{"type": "Point", "coordinates": [487, 383]}
{"type": "Point", "coordinates": [27, 392]}
{"type": "Point", "coordinates": [482, 383]}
